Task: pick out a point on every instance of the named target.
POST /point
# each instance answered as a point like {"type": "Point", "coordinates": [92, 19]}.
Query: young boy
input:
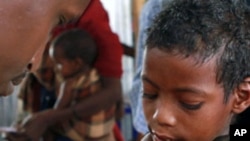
{"type": "Point", "coordinates": [74, 53]}
{"type": "Point", "coordinates": [196, 75]}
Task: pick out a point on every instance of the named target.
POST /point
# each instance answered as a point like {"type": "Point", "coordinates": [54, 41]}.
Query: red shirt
{"type": "Point", "coordinates": [96, 22]}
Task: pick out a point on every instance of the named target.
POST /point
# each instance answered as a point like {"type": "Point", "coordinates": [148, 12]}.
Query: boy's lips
{"type": "Point", "coordinates": [161, 137]}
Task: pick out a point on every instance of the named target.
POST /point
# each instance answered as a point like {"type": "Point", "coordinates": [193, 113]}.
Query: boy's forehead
{"type": "Point", "coordinates": [195, 59]}
{"type": "Point", "coordinates": [157, 60]}
{"type": "Point", "coordinates": [175, 72]}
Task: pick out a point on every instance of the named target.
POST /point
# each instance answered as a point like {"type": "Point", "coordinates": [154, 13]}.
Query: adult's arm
{"type": "Point", "coordinates": [38, 123]}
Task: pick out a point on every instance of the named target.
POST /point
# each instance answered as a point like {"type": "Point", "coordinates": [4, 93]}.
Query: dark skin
{"type": "Point", "coordinates": [37, 124]}
{"type": "Point", "coordinates": [182, 100]}
{"type": "Point", "coordinates": [25, 37]}
{"type": "Point", "coordinates": [70, 70]}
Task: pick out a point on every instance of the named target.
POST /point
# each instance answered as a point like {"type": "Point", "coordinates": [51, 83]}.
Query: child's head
{"type": "Point", "coordinates": [74, 51]}
{"type": "Point", "coordinates": [196, 71]}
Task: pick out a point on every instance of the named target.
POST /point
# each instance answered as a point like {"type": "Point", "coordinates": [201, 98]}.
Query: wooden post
{"type": "Point", "coordinates": [137, 6]}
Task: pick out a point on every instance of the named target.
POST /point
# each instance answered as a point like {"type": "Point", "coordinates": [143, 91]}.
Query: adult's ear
{"type": "Point", "coordinates": [242, 96]}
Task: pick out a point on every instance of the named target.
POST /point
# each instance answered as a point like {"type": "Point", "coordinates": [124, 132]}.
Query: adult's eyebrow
{"type": "Point", "coordinates": [146, 79]}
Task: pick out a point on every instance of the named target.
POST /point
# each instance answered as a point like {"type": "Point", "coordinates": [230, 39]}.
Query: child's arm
{"type": "Point", "coordinates": [64, 97]}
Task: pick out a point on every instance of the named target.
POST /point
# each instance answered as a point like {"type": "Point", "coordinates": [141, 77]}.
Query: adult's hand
{"type": "Point", "coordinates": [17, 136]}
{"type": "Point", "coordinates": [33, 127]}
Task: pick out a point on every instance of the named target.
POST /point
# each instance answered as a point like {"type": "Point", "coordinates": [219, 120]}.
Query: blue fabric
{"type": "Point", "coordinates": [48, 99]}
{"type": "Point", "coordinates": [62, 138]}
{"type": "Point", "coordinates": [149, 11]}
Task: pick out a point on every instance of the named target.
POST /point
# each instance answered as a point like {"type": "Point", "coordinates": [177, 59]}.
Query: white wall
{"type": "Point", "coordinates": [120, 16]}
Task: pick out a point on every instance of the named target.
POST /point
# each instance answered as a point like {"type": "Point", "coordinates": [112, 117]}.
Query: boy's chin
{"type": "Point", "coordinates": [6, 89]}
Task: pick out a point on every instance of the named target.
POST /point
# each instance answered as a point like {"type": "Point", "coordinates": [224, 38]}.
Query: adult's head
{"type": "Point", "coordinates": [25, 30]}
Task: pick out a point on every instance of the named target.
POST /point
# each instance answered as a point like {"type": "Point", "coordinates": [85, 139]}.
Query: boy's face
{"type": "Point", "coordinates": [25, 29]}
{"type": "Point", "coordinates": [66, 67]}
{"type": "Point", "coordinates": [182, 100]}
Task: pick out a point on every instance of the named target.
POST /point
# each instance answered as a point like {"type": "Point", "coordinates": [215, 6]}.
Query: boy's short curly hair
{"type": "Point", "coordinates": [205, 29]}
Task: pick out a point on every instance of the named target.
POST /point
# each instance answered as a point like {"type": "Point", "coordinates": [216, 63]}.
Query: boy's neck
{"type": "Point", "coordinates": [222, 138]}
{"type": "Point", "coordinates": [225, 131]}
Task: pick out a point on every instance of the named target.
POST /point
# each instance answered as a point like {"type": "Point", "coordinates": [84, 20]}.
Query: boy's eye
{"type": "Point", "coordinates": [191, 106]}
{"type": "Point", "coordinates": [149, 96]}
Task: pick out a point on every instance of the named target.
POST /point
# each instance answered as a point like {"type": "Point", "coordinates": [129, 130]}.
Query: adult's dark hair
{"type": "Point", "coordinates": [206, 29]}
{"type": "Point", "coordinates": [77, 43]}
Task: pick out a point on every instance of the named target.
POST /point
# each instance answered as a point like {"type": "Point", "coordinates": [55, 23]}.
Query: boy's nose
{"type": "Point", "coordinates": [164, 116]}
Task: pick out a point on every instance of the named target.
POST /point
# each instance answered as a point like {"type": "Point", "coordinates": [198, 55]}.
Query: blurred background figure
{"type": "Point", "coordinates": [38, 90]}
{"type": "Point", "coordinates": [150, 9]}
{"type": "Point", "coordinates": [74, 53]}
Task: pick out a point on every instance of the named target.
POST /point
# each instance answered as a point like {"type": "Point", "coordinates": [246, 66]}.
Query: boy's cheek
{"type": "Point", "coordinates": [149, 111]}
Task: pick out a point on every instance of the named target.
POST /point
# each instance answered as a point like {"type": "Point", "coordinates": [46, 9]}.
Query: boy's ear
{"type": "Point", "coordinates": [79, 62]}
{"type": "Point", "coordinates": [242, 96]}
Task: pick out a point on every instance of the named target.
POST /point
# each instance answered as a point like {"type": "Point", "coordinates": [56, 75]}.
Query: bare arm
{"type": "Point", "coordinates": [107, 97]}
{"type": "Point", "coordinates": [64, 97]}
{"type": "Point", "coordinates": [110, 95]}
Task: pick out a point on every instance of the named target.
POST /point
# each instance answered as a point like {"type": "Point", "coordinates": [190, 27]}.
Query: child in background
{"type": "Point", "coordinates": [196, 76]}
{"type": "Point", "coordinates": [38, 90]}
{"type": "Point", "coordinates": [74, 53]}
